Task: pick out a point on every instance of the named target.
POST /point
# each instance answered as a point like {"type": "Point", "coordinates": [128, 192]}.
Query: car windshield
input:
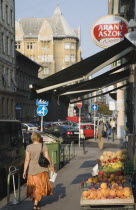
{"type": "Point", "coordinates": [31, 125]}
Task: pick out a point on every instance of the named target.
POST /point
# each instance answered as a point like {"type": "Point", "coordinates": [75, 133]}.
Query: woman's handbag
{"type": "Point", "coordinates": [43, 161]}
{"type": "Point", "coordinates": [104, 133]}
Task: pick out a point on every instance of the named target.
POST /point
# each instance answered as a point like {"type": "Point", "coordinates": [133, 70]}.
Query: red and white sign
{"type": "Point", "coordinates": [109, 30]}
{"type": "Point", "coordinates": [79, 104]}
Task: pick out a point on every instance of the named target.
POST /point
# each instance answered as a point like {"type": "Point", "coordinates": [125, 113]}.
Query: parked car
{"type": "Point", "coordinates": [47, 125]}
{"type": "Point", "coordinates": [36, 124]}
{"type": "Point", "coordinates": [27, 136]}
{"type": "Point", "coordinates": [65, 132]}
{"type": "Point", "coordinates": [29, 127]}
{"type": "Point", "coordinates": [88, 129]}
{"type": "Point", "coordinates": [12, 151]}
{"type": "Point", "coordinates": [70, 123]}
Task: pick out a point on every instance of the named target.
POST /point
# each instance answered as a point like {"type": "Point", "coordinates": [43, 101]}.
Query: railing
{"type": "Point", "coordinates": [67, 152]}
{"type": "Point", "coordinates": [12, 172]}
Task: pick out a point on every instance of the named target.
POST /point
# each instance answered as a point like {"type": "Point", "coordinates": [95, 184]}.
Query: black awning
{"type": "Point", "coordinates": [82, 69]}
{"type": "Point", "coordinates": [99, 83]}
{"type": "Point", "coordinates": [104, 93]}
{"type": "Point", "coordinates": [93, 83]}
{"type": "Point", "coordinates": [83, 88]}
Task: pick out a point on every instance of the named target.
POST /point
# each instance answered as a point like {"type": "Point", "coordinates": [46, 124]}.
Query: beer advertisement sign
{"type": "Point", "coordinates": [109, 30]}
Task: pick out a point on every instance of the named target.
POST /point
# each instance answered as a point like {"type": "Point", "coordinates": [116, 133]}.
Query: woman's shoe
{"type": "Point", "coordinates": [36, 207]}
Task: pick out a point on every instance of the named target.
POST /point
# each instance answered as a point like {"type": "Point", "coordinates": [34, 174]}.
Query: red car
{"type": "Point", "coordinates": [88, 129]}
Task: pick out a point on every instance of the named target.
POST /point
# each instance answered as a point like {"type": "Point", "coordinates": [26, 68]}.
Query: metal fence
{"type": "Point", "coordinates": [67, 152]}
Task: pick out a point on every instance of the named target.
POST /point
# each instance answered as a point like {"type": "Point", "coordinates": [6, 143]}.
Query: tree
{"type": "Point", "coordinates": [103, 109]}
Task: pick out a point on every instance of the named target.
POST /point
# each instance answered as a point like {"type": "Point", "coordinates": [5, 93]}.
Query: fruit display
{"type": "Point", "coordinates": [112, 161]}
{"type": "Point", "coordinates": [109, 179]}
{"type": "Point", "coordinates": [105, 192]}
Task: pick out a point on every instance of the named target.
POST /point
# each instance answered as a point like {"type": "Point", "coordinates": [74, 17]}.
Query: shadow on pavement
{"type": "Point", "coordinates": [59, 191]}
{"type": "Point", "coordinates": [106, 145]}
{"type": "Point", "coordinates": [88, 164]}
{"type": "Point", "coordinates": [80, 178]}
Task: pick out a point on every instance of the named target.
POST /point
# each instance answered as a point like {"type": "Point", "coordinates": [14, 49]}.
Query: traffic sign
{"type": "Point", "coordinates": [79, 104]}
{"type": "Point", "coordinates": [40, 102]}
{"type": "Point", "coordinates": [42, 110]}
{"type": "Point", "coordinates": [94, 107]}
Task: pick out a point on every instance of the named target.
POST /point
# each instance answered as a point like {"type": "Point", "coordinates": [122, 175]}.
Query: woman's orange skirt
{"type": "Point", "coordinates": [38, 185]}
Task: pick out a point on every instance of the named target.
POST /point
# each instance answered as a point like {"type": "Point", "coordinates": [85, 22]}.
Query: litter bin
{"type": "Point", "coordinates": [54, 152]}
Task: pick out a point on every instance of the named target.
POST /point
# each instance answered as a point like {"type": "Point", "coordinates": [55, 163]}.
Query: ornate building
{"type": "Point", "coordinates": [51, 42]}
{"type": "Point", "coordinates": [7, 59]}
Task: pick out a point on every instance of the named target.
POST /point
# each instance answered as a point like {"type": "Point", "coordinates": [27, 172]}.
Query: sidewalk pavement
{"type": "Point", "coordinates": [66, 189]}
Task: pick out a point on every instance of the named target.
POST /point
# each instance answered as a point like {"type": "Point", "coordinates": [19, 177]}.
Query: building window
{"type": "Point", "coordinates": [67, 58]}
{"type": "Point", "coordinates": [7, 17]}
{"type": "Point", "coordinates": [72, 45]}
{"type": "Point", "coordinates": [67, 46]}
{"type": "Point", "coordinates": [11, 17]}
{"type": "Point", "coordinates": [45, 71]}
{"type": "Point", "coordinates": [9, 76]}
{"type": "Point", "coordinates": [8, 47]}
{"type": "Point", "coordinates": [2, 9]}
{"type": "Point", "coordinates": [3, 105]}
{"type": "Point", "coordinates": [72, 58]}
{"type": "Point", "coordinates": [12, 48]}
{"type": "Point", "coordinates": [18, 45]}
{"type": "Point", "coordinates": [30, 45]}
{"type": "Point", "coordinates": [3, 43]}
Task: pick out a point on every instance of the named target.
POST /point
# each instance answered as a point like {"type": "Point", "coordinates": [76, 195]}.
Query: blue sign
{"type": "Point", "coordinates": [94, 107]}
{"type": "Point", "coordinates": [18, 107]}
{"type": "Point", "coordinates": [42, 110]}
{"type": "Point", "coordinates": [40, 102]}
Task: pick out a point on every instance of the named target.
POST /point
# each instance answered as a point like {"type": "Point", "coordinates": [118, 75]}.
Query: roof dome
{"type": "Point", "coordinates": [60, 26]}
{"type": "Point", "coordinates": [57, 11]}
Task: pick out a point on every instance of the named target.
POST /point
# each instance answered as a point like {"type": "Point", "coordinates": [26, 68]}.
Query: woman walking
{"type": "Point", "coordinates": [38, 184]}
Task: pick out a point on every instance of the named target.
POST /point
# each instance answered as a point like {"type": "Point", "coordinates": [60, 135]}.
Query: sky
{"type": "Point", "coordinates": [77, 13]}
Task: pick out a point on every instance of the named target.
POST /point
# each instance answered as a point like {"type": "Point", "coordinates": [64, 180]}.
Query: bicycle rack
{"type": "Point", "coordinates": [12, 173]}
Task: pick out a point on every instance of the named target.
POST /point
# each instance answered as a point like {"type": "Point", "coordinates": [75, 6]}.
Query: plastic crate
{"type": "Point", "coordinates": [128, 167]}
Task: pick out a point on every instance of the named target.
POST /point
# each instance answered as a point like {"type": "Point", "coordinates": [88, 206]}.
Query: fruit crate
{"type": "Point", "coordinates": [128, 167]}
{"type": "Point", "coordinates": [116, 207]}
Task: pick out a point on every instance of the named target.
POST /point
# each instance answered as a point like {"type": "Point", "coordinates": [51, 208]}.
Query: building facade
{"type": "Point", "coordinates": [26, 74]}
{"type": "Point", "coordinates": [125, 9]}
{"type": "Point", "coordinates": [7, 59]}
{"type": "Point", "coordinates": [51, 42]}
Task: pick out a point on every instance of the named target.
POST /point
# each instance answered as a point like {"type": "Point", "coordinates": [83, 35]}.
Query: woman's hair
{"type": "Point", "coordinates": [36, 137]}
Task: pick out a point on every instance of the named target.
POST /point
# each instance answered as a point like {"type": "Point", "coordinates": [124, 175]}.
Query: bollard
{"type": "Point", "coordinates": [12, 173]}
{"type": "Point", "coordinates": [57, 161]}
{"type": "Point", "coordinates": [113, 135]}
{"type": "Point", "coordinates": [72, 149]}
